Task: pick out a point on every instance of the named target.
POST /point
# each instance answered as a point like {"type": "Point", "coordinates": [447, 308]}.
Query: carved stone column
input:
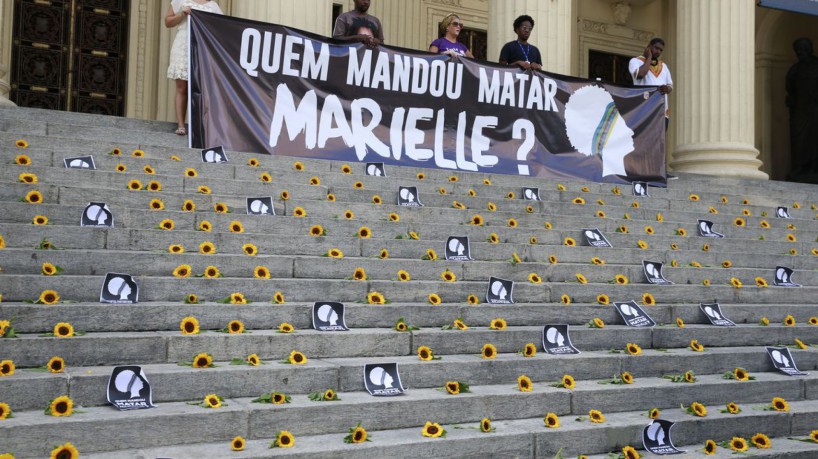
{"type": "Point", "coordinates": [714, 89]}
{"type": "Point", "coordinates": [6, 9]}
{"type": "Point", "coordinates": [310, 15]}
{"type": "Point", "coordinates": [552, 34]}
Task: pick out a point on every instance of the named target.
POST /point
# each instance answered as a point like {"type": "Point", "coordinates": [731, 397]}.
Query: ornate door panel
{"type": "Point", "coordinates": [70, 55]}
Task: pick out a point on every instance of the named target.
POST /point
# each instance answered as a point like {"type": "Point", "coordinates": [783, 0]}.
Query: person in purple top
{"type": "Point", "coordinates": [450, 28]}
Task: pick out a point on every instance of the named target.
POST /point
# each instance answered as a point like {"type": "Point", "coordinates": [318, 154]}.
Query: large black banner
{"type": "Point", "coordinates": [265, 88]}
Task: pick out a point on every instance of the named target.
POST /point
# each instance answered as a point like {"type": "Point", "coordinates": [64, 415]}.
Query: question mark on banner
{"type": "Point", "coordinates": [524, 130]}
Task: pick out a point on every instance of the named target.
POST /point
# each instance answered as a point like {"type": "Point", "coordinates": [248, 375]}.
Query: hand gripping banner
{"type": "Point", "coordinates": [265, 88]}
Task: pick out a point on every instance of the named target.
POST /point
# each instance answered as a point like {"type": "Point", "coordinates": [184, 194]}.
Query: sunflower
{"type": "Point", "coordinates": [633, 349]}
{"type": "Point", "coordinates": [235, 327]}
{"type": "Point", "coordinates": [236, 227]}
{"type": "Point", "coordinates": [65, 451]}
{"type": "Point", "coordinates": [596, 416]}
{"type": "Point", "coordinates": [331, 197]}
{"type": "Point", "coordinates": [569, 241]}
{"type": "Point", "coordinates": [706, 282]}
{"type": "Point", "coordinates": [472, 299]}
{"type": "Point", "coordinates": [6, 367]}
{"type": "Point", "coordinates": [732, 408]}
{"type": "Point", "coordinates": [629, 453]}
{"type": "Point", "coordinates": [597, 322]}
{"type": "Point", "coordinates": [238, 443]}
{"type": "Point", "coordinates": [653, 413]}
{"type": "Point", "coordinates": [22, 160]}
{"type": "Point", "coordinates": [431, 255]}
{"type": "Point", "coordinates": [249, 249]}
{"type": "Point", "coordinates": [202, 360]}
{"type": "Point", "coordinates": [299, 212]}
{"type": "Point", "coordinates": [791, 238]}
{"type": "Point", "coordinates": [5, 411]}
{"type": "Point", "coordinates": [764, 321]}
{"type": "Point", "coordinates": [498, 324]}
{"type": "Point", "coordinates": [34, 197]}
{"type": "Point", "coordinates": [220, 208]}
{"type": "Point", "coordinates": [167, 225]}
{"type": "Point", "coordinates": [452, 387]}
{"type": "Point", "coordinates": [425, 353]}
{"type": "Point", "coordinates": [284, 439]}
{"type": "Point", "coordinates": [534, 278]}
{"type": "Point", "coordinates": [188, 206]}
{"type": "Point", "coordinates": [642, 244]}
{"type": "Point", "coordinates": [477, 220]}
{"type": "Point", "coordinates": [25, 177]}
{"type": "Point", "coordinates": [61, 406]}
{"type": "Point", "coordinates": [764, 224]}
{"type": "Point", "coordinates": [551, 420]}
{"type": "Point", "coordinates": [689, 377]}
{"type": "Point", "coordinates": [393, 217]}
{"type": "Point", "coordinates": [189, 326]}
{"type": "Point", "coordinates": [578, 201]}
{"type": "Point", "coordinates": [375, 298]}
{"type": "Point", "coordinates": [626, 377]}
{"type": "Point", "coordinates": [121, 168]}
{"type": "Point", "coordinates": [315, 181]}
{"type": "Point", "coordinates": [182, 271]}
{"type": "Point", "coordinates": [779, 404]}
{"type": "Point", "coordinates": [789, 320]}
{"type": "Point", "coordinates": [760, 282]}
{"type": "Point", "coordinates": [433, 430]}
{"type": "Point", "coordinates": [597, 261]}
{"type": "Point", "coordinates": [603, 299]}
{"type": "Point", "coordinates": [277, 398]}
{"type": "Point", "coordinates": [565, 299]}
{"type": "Point", "coordinates": [760, 441]}
{"type": "Point", "coordinates": [601, 214]}
{"type": "Point", "coordinates": [442, 190]}
{"type": "Point", "coordinates": [207, 248]}
{"type": "Point", "coordinates": [297, 358]}
{"type": "Point", "coordinates": [56, 365]}
{"type": "Point", "coordinates": [712, 210]}
{"type": "Point", "coordinates": [316, 230]}
{"type": "Point", "coordinates": [532, 240]}
{"type": "Point", "coordinates": [191, 299]}
{"type": "Point", "coordinates": [552, 259]}
{"type": "Point", "coordinates": [814, 435]}
{"type": "Point", "coordinates": [434, 299]}
{"type": "Point", "coordinates": [489, 351]}
{"type": "Point", "coordinates": [359, 274]}
{"type": "Point", "coordinates": [237, 298]}
{"type": "Point", "coordinates": [494, 238]}
{"type": "Point", "coordinates": [813, 320]}
{"type": "Point", "coordinates": [404, 276]}
{"type": "Point", "coordinates": [693, 197]}
{"type": "Point", "coordinates": [284, 195]}
{"type": "Point", "coordinates": [735, 282]}
{"type": "Point", "coordinates": [695, 346]}
{"type": "Point", "coordinates": [203, 189]}
{"type": "Point", "coordinates": [49, 297]}
{"type": "Point", "coordinates": [212, 272]}
{"type": "Point", "coordinates": [63, 330]}
{"type": "Point", "coordinates": [698, 409]}
{"type": "Point", "coordinates": [212, 401]}
{"type": "Point", "coordinates": [48, 269]}
{"type": "Point", "coordinates": [266, 177]}
{"type": "Point", "coordinates": [286, 328]}
{"type": "Point", "coordinates": [335, 253]}
{"type": "Point", "coordinates": [261, 272]}
{"type": "Point", "coordinates": [738, 444]}
{"type": "Point", "coordinates": [648, 299]}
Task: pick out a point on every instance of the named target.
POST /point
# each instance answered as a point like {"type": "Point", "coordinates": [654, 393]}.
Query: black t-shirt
{"type": "Point", "coordinates": [513, 51]}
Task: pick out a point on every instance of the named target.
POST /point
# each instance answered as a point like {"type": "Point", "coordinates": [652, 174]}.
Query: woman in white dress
{"type": "Point", "coordinates": [177, 70]}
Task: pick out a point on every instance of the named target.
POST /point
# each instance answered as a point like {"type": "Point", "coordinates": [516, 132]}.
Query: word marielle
{"type": "Point", "coordinates": [435, 75]}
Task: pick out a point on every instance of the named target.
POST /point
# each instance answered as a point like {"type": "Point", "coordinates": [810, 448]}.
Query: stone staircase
{"type": "Point", "coordinates": [148, 333]}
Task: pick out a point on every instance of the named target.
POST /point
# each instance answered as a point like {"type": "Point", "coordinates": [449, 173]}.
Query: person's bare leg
{"type": "Point", "coordinates": [181, 106]}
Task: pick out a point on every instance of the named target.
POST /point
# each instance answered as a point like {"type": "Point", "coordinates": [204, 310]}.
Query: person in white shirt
{"type": "Point", "coordinates": [649, 70]}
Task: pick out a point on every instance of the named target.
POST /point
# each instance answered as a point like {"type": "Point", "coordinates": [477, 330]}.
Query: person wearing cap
{"type": "Point", "coordinates": [358, 25]}
{"type": "Point", "coordinates": [520, 52]}
{"type": "Point", "coordinates": [450, 28]}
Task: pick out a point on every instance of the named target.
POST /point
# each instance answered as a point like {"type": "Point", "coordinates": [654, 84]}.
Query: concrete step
{"type": "Point", "coordinates": [522, 437]}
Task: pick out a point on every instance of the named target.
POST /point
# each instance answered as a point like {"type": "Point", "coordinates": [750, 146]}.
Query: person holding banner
{"type": "Point", "coordinates": [450, 28]}
{"type": "Point", "coordinates": [649, 70]}
{"type": "Point", "coordinates": [520, 52]}
{"type": "Point", "coordinates": [358, 25]}
{"type": "Point", "coordinates": [177, 68]}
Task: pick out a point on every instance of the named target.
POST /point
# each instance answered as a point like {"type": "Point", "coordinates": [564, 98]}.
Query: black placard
{"type": "Point", "coordinates": [499, 291]}
{"type": "Point", "coordinates": [458, 248]}
{"type": "Point", "coordinates": [376, 169]}
{"type": "Point", "coordinates": [633, 315]}
{"type": "Point", "coordinates": [119, 289]}
{"type": "Point", "coordinates": [656, 438]}
{"type": "Point", "coordinates": [383, 379]}
{"type": "Point", "coordinates": [214, 155]}
{"type": "Point", "coordinates": [653, 273]}
{"type": "Point", "coordinates": [705, 229]}
{"type": "Point", "coordinates": [595, 238]}
{"type": "Point", "coordinates": [783, 277]}
{"type": "Point", "coordinates": [97, 214]}
{"type": "Point", "coordinates": [329, 316]}
{"type": "Point", "coordinates": [556, 340]}
{"type": "Point", "coordinates": [260, 206]}
{"type": "Point", "coordinates": [713, 313]}
{"type": "Point", "coordinates": [408, 196]}
{"type": "Point", "coordinates": [129, 389]}
{"type": "Point", "coordinates": [783, 361]}
{"type": "Point", "coordinates": [640, 189]}
{"type": "Point", "coordinates": [80, 162]}
{"type": "Point", "coordinates": [531, 194]}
